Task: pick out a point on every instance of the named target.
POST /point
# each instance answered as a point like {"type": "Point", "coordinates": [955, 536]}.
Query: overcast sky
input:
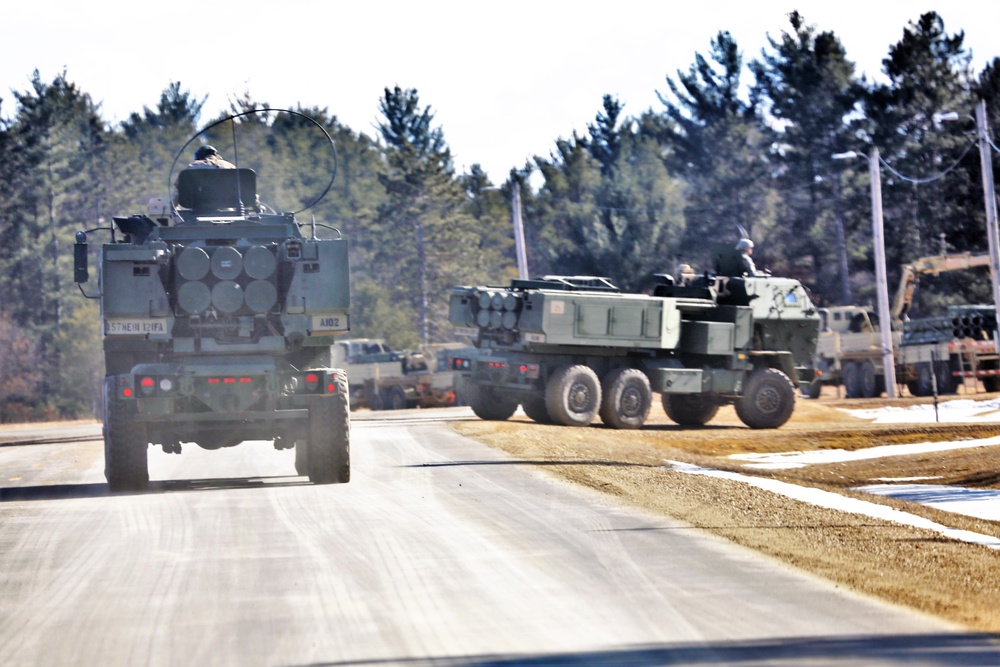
{"type": "Point", "coordinates": [504, 80]}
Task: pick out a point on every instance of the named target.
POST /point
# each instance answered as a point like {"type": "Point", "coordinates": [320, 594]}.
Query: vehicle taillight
{"type": "Point", "coordinates": [147, 385]}
{"type": "Point", "coordinates": [312, 381]}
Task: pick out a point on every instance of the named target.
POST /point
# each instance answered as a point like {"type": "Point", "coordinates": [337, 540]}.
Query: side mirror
{"type": "Point", "coordinates": [80, 272]}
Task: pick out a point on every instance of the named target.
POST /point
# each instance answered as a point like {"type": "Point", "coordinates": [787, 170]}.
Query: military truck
{"type": "Point", "coordinates": [218, 315]}
{"type": "Point", "coordinates": [932, 354]}
{"type": "Point", "coordinates": [568, 349]}
{"type": "Point", "coordinates": [385, 379]}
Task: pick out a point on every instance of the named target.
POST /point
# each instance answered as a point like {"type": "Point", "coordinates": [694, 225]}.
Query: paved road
{"type": "Point", "coordinates": [439, 552]}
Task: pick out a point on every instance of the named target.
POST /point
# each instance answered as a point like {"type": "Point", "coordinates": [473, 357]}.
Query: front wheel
{"type": "Point", "coordinates": [329, 448]}
{"type": "Point", "coordinates": [126, 451]}
{"type": "Point", "coordinates": [573, 395]}
{"type": "Point", "coordinates": [768, 399]}
{"type": "Point", "coordinates": [626, 398]}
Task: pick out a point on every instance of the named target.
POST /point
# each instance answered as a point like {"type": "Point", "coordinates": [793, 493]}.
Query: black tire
{"type": "Point", "coordinates": [395, 399]}
{"type": "Point", "coordinates": [126, 449]}
{"type": "Point", "coordinates": [535, 408]}
{"type": "Point", "coordinates": [573, 395]}
{"type": "Point", "coordinates": [925, 380]}
{"type": "Point", "coordinates": [626, 398]}
{"type": "Point", "coordinates": [689, 409]}
{"type": "Point", "coordinates": [376, 400]}
{"type": "Point", "coordinates": [945, 380]}
{"type": "Point", "coordinates": [329, 448]}
{"type": "Point", "coordinates": [852, 380]}
{"type": "Point", "coordinates": [866, 379]}
{"type": "Point", "coordinates": [768, 399]}
{"type": "Point", "coordinates": [487, 404]}
{"type": "Point", "coordinates": [812, 390]}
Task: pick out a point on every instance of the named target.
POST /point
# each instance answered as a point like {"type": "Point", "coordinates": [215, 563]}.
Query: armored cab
{"type": "Point", "coordinates": [568, 349]}
{"type": "Point", "coordinates": [218, 319]}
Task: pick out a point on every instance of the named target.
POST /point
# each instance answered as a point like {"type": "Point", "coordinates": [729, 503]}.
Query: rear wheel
{"type": "Point", "coordinates": [946, 382]}
{"type": "Point", "coordinates": [812, 390]}
{"type": "Point", "coordinates": [329, 448]}
{"type": "Point", "coordinates": [626, 398]}
{"type": "Point", "coordinates": [689, 409]}
{"type": "Point", "coordinates": [396, 399]}
{"type": "Point", "coordinates": [125, 448]}
{"type": "Point", "coordinates": [866, 379]}
{"type": "Point", "coordinates": [925, 380]}
{"type": "Point", "coordinates": [768, 399]}
{"type": "Point", "coordinates": [487, 404]}
{"type": "Point", "coordinates": [852, 380]}
{"type": "Point", "coordinates": [535, 408]}
{"type": "Point", "coordinates": [573, 395]}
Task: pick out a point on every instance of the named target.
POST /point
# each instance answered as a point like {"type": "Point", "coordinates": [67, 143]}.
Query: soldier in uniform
{"type": "Point", "coordinates": [745, 246]}
{"type": "Point", "coordinates": [207, 157]}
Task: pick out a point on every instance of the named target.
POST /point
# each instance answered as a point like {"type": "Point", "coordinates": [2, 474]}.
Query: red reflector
{"type": "Point", "coordinates": [126, 392]}
{"type": "Point", "coordinates": [245, 380]}
{"type": "Point", "coordinates": [331, 388]}
{"type": "Point", "coordinates": [228, 380]}
{"type": "Point", "coordinates": [213, 380]}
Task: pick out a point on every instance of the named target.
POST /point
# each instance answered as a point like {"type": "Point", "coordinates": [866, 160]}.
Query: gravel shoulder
{"type": "Point", "coordinates": [917, 568]}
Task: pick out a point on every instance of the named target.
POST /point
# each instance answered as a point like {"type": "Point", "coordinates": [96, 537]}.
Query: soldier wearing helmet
{"type": "Point", "coordinates": [745, 246]}
{"type": "Point", "coordinates": [207, 157]}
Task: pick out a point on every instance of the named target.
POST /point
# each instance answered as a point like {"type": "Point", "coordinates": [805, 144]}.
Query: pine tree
{"type": "Point", "coordinates": [715, 144]}
{"type": "Point", "coordinates": [809, 90]}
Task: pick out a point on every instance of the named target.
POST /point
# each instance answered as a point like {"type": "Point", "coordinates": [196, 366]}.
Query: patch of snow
{"type": "Point", "coordinates": [979, 503]}
{"type": "Point", "coordinates": [786, 460]}
{"type": "Point", "coordinates": [834, 501]}
{"type": "Point", "coordinates": [958, 410]}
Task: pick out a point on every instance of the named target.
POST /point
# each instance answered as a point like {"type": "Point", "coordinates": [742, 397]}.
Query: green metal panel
{"type": "Point", "coordinates": [677, 380]}
{"type": "Point", "coordinates": [321, 283]}
{"type": "Point", "coordinates": [708, 337]}
{"type": "Point", "coordinates": [131, 289]}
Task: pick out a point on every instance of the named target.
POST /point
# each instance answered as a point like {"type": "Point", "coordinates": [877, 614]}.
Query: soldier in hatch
{"type": "Point", "coordinates": [207, 157]}
{"type": "Point", "coordinates": [745, 246]}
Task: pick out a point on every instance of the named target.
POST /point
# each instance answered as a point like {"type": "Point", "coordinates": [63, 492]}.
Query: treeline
{"type": "Point", "coordinates": [736, 143]}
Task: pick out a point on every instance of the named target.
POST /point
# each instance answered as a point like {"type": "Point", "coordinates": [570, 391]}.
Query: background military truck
{"type": "Point", "coordinates": [384, 379]}
{"type": "Point", "coordinates": [568, 349]}
{"type": "Point", "coordinates": [933, 353]}
{"type": "Point", "coordinates": [217, 324]}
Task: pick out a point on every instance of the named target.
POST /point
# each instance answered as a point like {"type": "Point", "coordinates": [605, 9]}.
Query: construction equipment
{"type": "Point", "coordinates": [932, 355]}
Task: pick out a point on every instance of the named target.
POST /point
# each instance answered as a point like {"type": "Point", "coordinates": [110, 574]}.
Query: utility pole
{"type": "Point", "coordinates": [881, 281]}
{"type": "Point", "coordinates": [990, 199]}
